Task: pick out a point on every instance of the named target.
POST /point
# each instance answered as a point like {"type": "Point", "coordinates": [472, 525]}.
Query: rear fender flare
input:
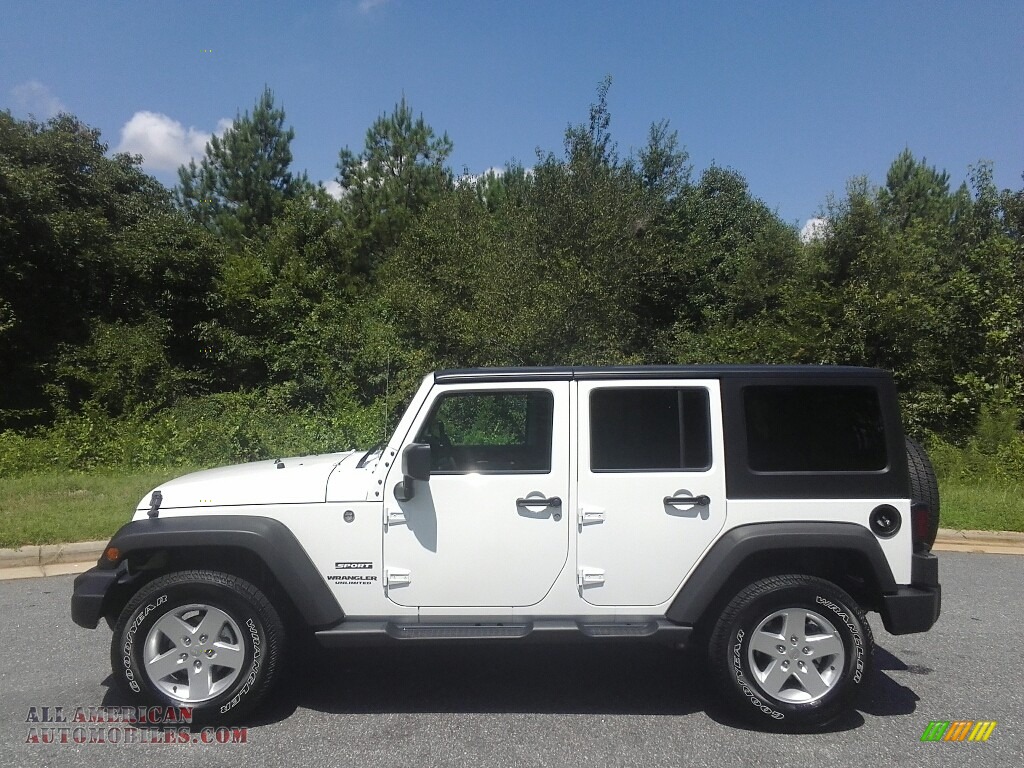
{"type": "Point", "coordinates": [727, 555]}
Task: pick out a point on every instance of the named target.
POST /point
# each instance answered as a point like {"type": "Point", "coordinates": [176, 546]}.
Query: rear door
{"type": "Point", "coordinates": [651, 486]}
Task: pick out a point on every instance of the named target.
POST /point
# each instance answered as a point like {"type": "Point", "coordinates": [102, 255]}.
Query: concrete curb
{"type": "Point", "coordinates": [49, 559]}
{"type": "Point", "coordinates": [62, 559]}
{"type": "Point", "coordinates": [985, 542]}
{"type": "Point", "coordinates": [52, 554]}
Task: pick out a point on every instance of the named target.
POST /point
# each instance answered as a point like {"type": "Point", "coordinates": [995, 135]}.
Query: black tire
{"type": "Point", "coordinates": [730, 653]}
{"type": "Point", "coordinates": [257, 643]}
{"type": "Point", "coordinates": [924, 485]}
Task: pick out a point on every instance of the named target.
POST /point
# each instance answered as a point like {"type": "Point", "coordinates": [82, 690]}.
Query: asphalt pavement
{"type": "Point", "coordinates": [537, 706]}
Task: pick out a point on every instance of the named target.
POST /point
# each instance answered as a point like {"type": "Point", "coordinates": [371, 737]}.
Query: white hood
{"type": "Point", "coordinates": [296, 480]}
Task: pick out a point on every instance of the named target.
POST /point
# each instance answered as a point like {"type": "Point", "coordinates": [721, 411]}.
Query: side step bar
{"type": "Point", "coordinates": [355, 632]}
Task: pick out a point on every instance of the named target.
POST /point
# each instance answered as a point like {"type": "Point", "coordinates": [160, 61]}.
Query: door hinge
{"type": "Point", "coordinates": [397, 577]}
{"type": "Point", "coordinates": [589, 515]}
{"type": "Point", "coordinates": [393, 517]}
{"type": "Point", "coordinates": [590, 577]}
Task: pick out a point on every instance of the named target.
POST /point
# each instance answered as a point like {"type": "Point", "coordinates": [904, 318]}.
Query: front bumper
{"type": "Point", "coordinates": [914, 608]}
{"type": "Point", "coordinates": [92, 591]}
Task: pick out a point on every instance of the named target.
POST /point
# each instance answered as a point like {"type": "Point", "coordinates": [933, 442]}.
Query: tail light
{"type": "Point", "coordinates": [921, 524]}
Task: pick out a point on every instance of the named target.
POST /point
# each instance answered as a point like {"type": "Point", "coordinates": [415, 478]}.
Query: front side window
{"type": "Point", "coordinates": [638, 429]}
{"type": "Point", "coordinates": [490, 432]}
{"type": "Point", "coordinates": [814, 429]}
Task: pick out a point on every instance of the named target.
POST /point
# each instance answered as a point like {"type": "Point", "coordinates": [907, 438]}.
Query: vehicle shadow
{"type": "Point", "coordinates": [487, 679]}
{"type": "Point", "coordinates": [886, 696]}
{"type": "Point", "coordinates": [607, 679]}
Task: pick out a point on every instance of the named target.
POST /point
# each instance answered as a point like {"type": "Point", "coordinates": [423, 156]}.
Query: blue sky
{"type": "Point", "coordinates": [797, 96]}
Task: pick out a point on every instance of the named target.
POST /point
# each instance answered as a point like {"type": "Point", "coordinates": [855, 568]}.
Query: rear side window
{"type": "Point", "coordinates": [634, 429]}
{"type": "Point", "coordinates": [814, 429]}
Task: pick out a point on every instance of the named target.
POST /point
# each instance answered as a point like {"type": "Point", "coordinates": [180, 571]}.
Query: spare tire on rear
{"type": "Point", "coordinates": [924, 486]}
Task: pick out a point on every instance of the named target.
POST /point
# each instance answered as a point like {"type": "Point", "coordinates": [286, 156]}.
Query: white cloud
{"type": "Point", "coordinates": [36, 99]}
{"type": "Point", "coordinates": [333, 189]}
{"type": "Point", "coordinates": [815, 229]}
{"type": "Point", "coordinates": [365, 6]}
{"type": "Point", "coordinates": [163, 142]}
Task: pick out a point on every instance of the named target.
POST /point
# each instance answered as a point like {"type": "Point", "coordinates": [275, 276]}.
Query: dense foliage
{"type": "Point", "coordinates": [249, 313]}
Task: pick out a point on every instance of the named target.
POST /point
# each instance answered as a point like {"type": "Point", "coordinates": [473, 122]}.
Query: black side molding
{"type": "Point", "coordinates": [270, 540]}
{"type": "Point", "coordinates": [729, 552]}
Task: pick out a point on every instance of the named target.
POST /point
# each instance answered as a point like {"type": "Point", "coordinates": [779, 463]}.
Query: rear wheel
{"type": "Point", "coordinates": [791, 652]}
{"type": "Point", "coordinates": [203, 640]}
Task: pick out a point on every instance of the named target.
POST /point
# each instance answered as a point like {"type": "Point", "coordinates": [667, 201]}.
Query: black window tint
{"type": "Point", "coordinates": [649, 429]}
{"type": "Point", "coordinates": [814, 429]}
{"type": "Point", "coordinates": [490, 432]}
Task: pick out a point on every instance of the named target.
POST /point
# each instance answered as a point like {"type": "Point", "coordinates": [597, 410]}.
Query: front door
{"type": "Point", "coordinates": [651, 487]}
{"type": "Point", "coordinates": [491, 526]}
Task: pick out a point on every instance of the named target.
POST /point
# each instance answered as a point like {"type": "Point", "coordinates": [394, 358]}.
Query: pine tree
{"type": "Point", "coordinates": [244, 180]}
{"type": "Point", "coordinates": [400, 171]}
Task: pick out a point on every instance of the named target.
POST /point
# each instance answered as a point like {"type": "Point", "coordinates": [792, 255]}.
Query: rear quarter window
{"type": "Point", "coordinates": [814, 428]}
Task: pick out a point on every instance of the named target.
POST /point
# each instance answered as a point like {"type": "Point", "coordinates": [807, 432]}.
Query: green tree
{"type": "Point", "coordinates": [244, 180]}
{"type": "Point", "coordinates": [915, 191]}
{"type": "Point", "coordinates": [923, 281]}
{"type": "Point", "coordinates": [270, 287]}
{"type": "Point", "coordinates": [554, 266]}
{"type": "Point", "coordinates": [731, 267]}
{"type": "Point", "coordinates": [85, 239]}
{"type": "Point", "coordinates": [400, 171]}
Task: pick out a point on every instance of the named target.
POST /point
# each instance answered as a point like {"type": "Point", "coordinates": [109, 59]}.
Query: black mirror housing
{"type": "Point", "coordinates": [416, 461]}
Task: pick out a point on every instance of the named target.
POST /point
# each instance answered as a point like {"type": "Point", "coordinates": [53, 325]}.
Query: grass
{"type": "Point", "coordinates": [983, 505]}
{"type": "Point", "coordinates": [60, 507]}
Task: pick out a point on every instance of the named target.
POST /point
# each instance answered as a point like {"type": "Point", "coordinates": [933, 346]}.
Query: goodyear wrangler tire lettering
{"type": "Point", "coordinates": [791, 652]}
{"type": "Point", "coordinates": [738, 669]}
{"type": "Point", "coordinates": [232, 604]}
{"type": "Point", "coordinates": [858, 642]}
{"type": "Point", "coordinates": [254, 670]}
{"type": "Point", "coordinates": [130, 639]}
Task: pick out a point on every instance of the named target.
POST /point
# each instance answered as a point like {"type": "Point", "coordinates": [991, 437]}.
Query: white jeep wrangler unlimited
{"type": "Point", "coordinates": [756, 510]}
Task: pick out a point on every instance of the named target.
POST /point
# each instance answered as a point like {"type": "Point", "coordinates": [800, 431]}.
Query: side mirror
{"type": "Point", "coordinates": [416, 461]}
{"type": "Point", "coordinates": [415, 466]}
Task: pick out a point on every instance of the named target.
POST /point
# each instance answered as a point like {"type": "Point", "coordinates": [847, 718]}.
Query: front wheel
{"type": "Point", "coordinates": [201, 640]}
{"type": "Point", "coordinates": [791, 652]}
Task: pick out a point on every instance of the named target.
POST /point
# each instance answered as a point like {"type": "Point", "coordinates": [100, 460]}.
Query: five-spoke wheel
{"type": "Point", "coordinates": [791, 651]}
{"type": "Point", "coordinates": [194, 652]}
{"type": "Point", "coordinates": [796, 655]}
{"type": "Point", "coordinates": [201, 639]}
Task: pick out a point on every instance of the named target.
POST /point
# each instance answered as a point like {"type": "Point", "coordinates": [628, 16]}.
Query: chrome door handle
{"type": "Point", "coordinates": [701, 501]}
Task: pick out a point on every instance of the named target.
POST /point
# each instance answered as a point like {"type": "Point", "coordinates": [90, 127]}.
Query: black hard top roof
{"type": "Point", "coordinates": [563, 373]}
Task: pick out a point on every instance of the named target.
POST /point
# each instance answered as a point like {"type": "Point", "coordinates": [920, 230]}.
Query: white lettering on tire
{"type": "Point", "coordinates": [257, 660]}
{"type": "Point", "coordinates": [857, 641]}
{"type": "Point", "coordinates": [742, 683]}
{"type": "Point", "coordinates": [129, 641]}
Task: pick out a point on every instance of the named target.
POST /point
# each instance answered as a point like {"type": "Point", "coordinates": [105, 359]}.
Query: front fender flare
{"type": "Point", "coordinates": [270, 540]}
